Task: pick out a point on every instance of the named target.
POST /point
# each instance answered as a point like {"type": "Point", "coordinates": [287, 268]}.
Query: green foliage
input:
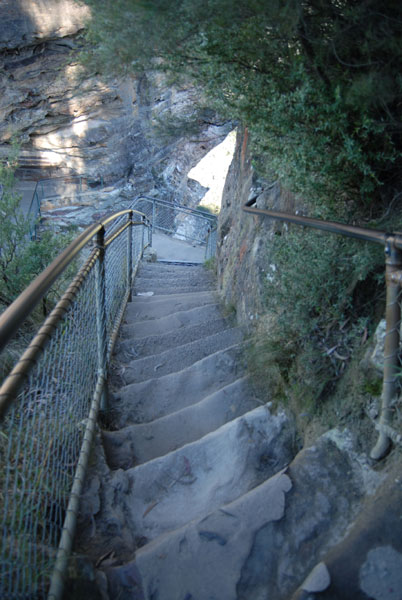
{"type": "Point", "coordinates": [317, 81]}
{"type": "Point", "coordinates": [20, 258]}
{"type": "Point", "coordinates": [373, 386]}
{"type": "Point", "coordinates": [321, 293]}
{"type": "Point", "coordinates": [210, 264]}
{"type": "Point", "coordinates": [318, 84]}
{"type": "Point", "coordinates": [316, 274]}
{"type": "Point", "coordinates": [204, 209]}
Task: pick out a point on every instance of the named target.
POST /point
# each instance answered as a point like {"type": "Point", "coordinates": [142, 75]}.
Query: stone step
{"type": "Point", "coordinates": [203, 560]}
{"type": "Point", "coordinates": [157, 397]}
{"type": "Point", "coordinates": [188, 483]}
{"type": "Point", "coordinates": [137, 444]}
{"type": "Point", "coordinates": [183, 356]}
{"type": "Point", "coordinates": [265, 542]}
{"type": "Point", "coordinates": [188, 277]}
{"type": "Point", "coordinates": [155, 307]}
{"type": "Point", "coordinates": [164, 269]}
{"type": "Point", "coordinates": [131, 349]}
{"type": "Point", "coordinates": [142, 283]}
{"type": "Point", "coordinates": [182, 318]}
{"type": "Point", "coordinates": [167, 290]}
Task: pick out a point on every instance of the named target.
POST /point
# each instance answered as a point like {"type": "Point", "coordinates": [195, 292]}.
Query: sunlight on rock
{"type": "Point", "coordinates": [211, 171]}
{"type": "Point", "coordinates": [62, 16]}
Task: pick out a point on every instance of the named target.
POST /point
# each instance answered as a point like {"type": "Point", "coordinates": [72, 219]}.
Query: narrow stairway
{"type": "Point", "coordinates": [186, 497]}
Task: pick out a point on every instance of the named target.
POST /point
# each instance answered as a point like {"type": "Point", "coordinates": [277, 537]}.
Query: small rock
{"type": "Point", "coordinates": [150, 255]}
{"type": "Point", "coordinates": [381, 574]}
{"type": "Point", "coordinates": [318, 580]}
{"type": "Point", "coordinates": [377, 356]}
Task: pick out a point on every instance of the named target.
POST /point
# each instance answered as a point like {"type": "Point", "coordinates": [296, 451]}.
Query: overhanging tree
{"type": "Point", "coordinates": [318, 82]}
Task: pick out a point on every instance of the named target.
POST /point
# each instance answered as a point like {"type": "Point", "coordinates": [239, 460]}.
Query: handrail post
{"type": "Point", "coordinates": [150, 232]}
{"type": "Point", "coordinates": [153, 213]}
{"type": "Point", "coordinates": [143, 233]}
{"type": "Point", "coordinates": [100, 283]}
{"type": "Point", "coordinates": [130, 256]}
{"type": "Point", "coordinates": [208, 240]}
{"type": "Point", "coordinates": [393, 277]}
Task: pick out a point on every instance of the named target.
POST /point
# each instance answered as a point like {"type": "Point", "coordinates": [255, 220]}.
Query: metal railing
{"type": "Point", "coordinates": [393, 277]}
{"type": "Point", "coordinates": [47, 188]}
{"type": "Point", "coordinates": [50, 401]}
{"type": "Point", "coordinates": [210, 249]}
{"type": "Point", "coordinates": [181, 222]}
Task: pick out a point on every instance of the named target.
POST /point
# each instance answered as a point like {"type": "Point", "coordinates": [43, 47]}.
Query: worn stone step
{"type": "Point", "coordinates": [164, 269]}
{"type": "Point", "coordinates": [155, 307]}
{"type": "Point", "coordinates": [192, 279]}
{"type": "Point", "coordinates": [168, 290]}
{"type": "Point", "coordinates": [265, 543]}
{"type": "Point", "coordinates": [131, 349]}
{"type": "Point", "coordinates": [182, 318]}
{"type": "Point", "coordinates": [203, 559]}
{"type": "Point", "coordinates": [148, 282]}
{"type": "Point", "coordinates": [157, 397]}
{"type": "Point", "coordinates": [167, 492]}
{"type": "Point", "coordinates": [183, 356]}
{"type": "Point", "coordinates": [137, 444]}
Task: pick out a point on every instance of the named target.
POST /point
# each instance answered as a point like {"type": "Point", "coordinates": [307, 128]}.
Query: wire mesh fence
{"type": "Point", "coordinates": [182, 222]}
{"type": "Point", "coordinates": [210, 249]}
{"type": "Point", "coordinates": [55, 187]}
{"type": "Point", "coordinates": [42, 434]}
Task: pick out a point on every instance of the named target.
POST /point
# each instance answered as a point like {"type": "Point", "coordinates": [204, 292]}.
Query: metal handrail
{"type": "Point", "coordinates": [42, 387]}
{"type": "Point", "coordinates": [210, 244]}
{"type": "Point", "coordinates": [201, 214]}
{"type": "Point", "coordinates": [393, 277]}
{"type": "Point", "coordinates": [20, 309]}
{"type": "Point", "coordinates": [208, 220]}
{"type": "Point", "coordinates": [362, 233]}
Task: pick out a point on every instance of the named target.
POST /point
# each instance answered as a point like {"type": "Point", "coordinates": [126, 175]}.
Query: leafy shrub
{"type": "Point", "coordinates": [320, 295]}
{"type": "Point", "coordinates": [317, 82]}
{"type": "Point", "coordinates": [21, 259]}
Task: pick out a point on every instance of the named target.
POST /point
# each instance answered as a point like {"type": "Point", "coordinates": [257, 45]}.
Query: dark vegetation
{"type": "Point", "coordinates": [21, 259]}
{"type": "Point", "coordinates": [318, 83]}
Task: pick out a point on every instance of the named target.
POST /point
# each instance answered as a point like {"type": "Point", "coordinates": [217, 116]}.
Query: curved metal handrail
{"type": "Point", "coordinates": [191, 211]}
{"type": "Point", "coordinates": [362, 233]}
{"type": "Point", "coordinates": [21, 308]}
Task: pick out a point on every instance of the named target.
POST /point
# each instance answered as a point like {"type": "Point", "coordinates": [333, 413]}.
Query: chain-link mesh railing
{"type": "Point", "coordinates": [46, 434]}
{"type": "Point", "coordinates": [68, 186]}
{"type": "Point", "coordinates": [210, 249]}
{"type": "Point", "coordinates": [181, 222]}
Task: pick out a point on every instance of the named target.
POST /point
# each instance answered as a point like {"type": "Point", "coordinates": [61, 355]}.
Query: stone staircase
{"type": "Point", "coordinates": [195, 492]}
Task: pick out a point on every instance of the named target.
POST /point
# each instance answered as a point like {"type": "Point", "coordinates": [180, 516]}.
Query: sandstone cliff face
{"type": "Point", "coordinates": [244, 263]}
{"type": "Point", "coordinates": [71, 123]}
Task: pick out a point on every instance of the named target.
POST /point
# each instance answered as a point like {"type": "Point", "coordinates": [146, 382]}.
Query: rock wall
{"type": "Point", "coordinates": [243, 256]}
{"type": "Point", "coordinates": [73, 123]}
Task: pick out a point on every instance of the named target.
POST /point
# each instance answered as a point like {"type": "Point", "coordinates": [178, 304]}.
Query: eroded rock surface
{"type": "Point", "coordinates": [72, 122]}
